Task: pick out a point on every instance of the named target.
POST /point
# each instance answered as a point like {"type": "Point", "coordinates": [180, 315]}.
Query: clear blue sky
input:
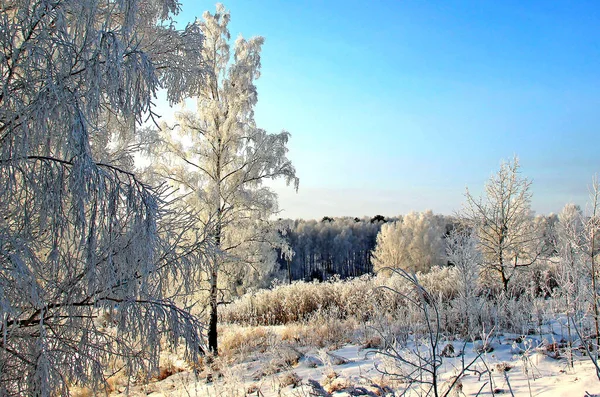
{"type": "Point", "coordinates": [399, 105]}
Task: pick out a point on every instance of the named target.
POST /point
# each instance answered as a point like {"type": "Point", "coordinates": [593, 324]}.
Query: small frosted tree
{"type": "Point", "coordinates": [503, 222]}
{"type": "Point", "coordinates": [219, 159]}
{"type": "Point", "coordinates": [462, 250]}
{"type": "Point", "coordinates": [413, 243]}
{"type": "Point", "coordinates": [570, 231]}
{"type": "Point", "coordinates": [571, 276]}
{"type": "Point", "coordinates": [80, 233]}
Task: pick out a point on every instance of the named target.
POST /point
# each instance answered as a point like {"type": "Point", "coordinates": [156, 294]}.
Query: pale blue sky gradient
{"type": "Point", "coordinates": [397, 106]}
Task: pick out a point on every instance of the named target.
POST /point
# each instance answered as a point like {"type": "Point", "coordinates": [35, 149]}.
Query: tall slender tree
{"type": "Point", "coordinates": [590, 247]}
{"type": "Point", "coordinates": [220, 159]}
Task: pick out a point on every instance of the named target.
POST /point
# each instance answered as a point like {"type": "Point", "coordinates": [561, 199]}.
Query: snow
{"type": "Point", "coordinates": [514, 364]}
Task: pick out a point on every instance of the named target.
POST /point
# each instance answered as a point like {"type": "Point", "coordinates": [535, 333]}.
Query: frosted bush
{"type": "Point", "coordinates": [300, 300]}
{"type": "Point", "coordinates": [441, 280]}
{"type": "Point", "coordinates": [380, 304]}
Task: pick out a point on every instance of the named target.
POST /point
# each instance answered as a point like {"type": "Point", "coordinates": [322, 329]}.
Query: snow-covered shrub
{"type": "Point", "coordinates": [300, 300]}
{"type": "Point", "coordinates": [538, 279]}
{"type": "Point", "coordinates": [245, 340]}
{"type": "Point", "coordinates": [364, 298]}
{"type": "Point", "coordinates": [443, 281]}
{"type": "Point", "coordinates": [382, 305]}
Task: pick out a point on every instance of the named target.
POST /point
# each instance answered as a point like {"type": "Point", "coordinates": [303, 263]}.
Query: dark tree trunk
{"type": "Point", "coordinates": [213, 346]}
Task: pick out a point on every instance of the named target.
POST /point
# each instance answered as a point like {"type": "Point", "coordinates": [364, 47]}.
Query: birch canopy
{"type": "Point", "coordinates": [413, 243]}
{"type": "Point", "coordinates": [80, 233]}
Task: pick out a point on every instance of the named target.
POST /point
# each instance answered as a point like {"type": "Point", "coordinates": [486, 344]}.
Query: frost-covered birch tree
{"type": "Point", "coordinates": [413, 243]}
{"type": "Point", "coordinates": [219, 159]}
{"type": "Point", "coordinates": [503, 222]}
{"type": "Point", "coordinates": [80, 232]}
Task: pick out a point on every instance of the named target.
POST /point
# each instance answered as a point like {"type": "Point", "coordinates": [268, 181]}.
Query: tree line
{"type": "Point", "coordinates": [345, 246]}
{"type": "Point", "coordinates": [500, 227]}
{"type": "Point", "coordinates": [332, 246]}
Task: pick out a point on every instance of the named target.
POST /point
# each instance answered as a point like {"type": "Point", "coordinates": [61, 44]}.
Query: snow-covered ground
{"type": "Point", "coordinates": [523, 367]}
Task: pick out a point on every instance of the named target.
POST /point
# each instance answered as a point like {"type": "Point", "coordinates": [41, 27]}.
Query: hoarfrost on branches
{"type": "Point", "coordinates": [219, 159]}
{"type": "Point", "coordinates": [80, 233]}
{"type": "Point", "coordinates": [413, 243]}
{"type": "Point", "coordinates": [503, 223]}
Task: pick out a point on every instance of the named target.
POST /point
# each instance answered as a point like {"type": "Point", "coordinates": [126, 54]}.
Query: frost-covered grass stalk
{"type": "Point", "coordinates": [418, 362]}
{"type": "Point", "coordinates": [81, 235]}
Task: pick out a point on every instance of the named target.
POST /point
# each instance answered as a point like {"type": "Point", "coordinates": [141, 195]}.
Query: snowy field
{"type": "Point", "coordinates": [510, 365]}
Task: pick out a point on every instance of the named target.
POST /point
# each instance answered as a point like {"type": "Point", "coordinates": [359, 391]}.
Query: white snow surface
{"type": "Point", "coordinates": [353, 371]}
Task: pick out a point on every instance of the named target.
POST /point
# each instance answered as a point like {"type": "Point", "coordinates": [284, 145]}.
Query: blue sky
{"type": "Point", "coordinates": [399, 105]}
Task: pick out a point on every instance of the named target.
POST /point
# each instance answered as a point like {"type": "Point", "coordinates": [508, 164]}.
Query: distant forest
{"type": "Point", "coordinates": [335, 246]}
{"type": "Point", "coordinates": [345, 246]}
